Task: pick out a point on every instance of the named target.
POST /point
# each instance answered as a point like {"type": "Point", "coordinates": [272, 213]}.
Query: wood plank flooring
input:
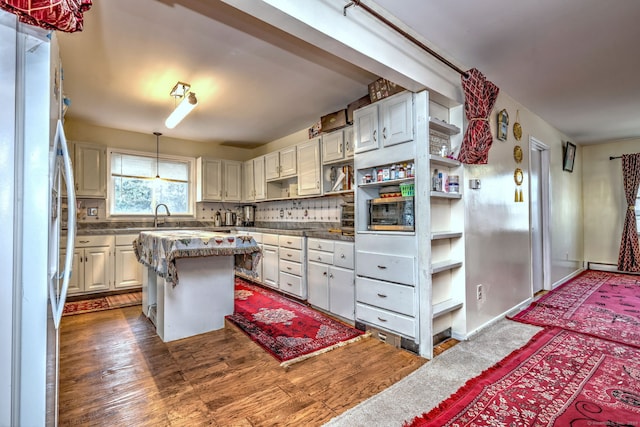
{"type": "Point", "coordinates": [114, 370]}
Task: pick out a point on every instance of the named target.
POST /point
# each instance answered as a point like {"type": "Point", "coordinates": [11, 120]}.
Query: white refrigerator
{"type": "Point", "coordinates": [34, 166]}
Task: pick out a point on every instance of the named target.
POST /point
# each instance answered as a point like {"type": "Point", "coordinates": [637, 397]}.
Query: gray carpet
{"type": "Point", "coordinates": [436, 380]}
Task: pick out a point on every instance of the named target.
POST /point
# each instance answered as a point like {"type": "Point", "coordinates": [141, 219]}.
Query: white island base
{"type": "Point", "coordinates": [197, 304]}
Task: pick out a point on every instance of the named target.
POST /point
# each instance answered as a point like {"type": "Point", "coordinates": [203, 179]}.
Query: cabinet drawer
{"type": "Point", "coordinates": [85, 241]}
{"type": "Point", "coordinates": [290, 254]}
{"type": "Point", "coordinates": [270, 239]}
{"type": "Point", "coordinates": [291, 267]}
{"type": "Point", "coordinates": [125, 239]}
{"type": "Point", "coordinates": [386, 319]}
{"type": "Point", "coordinates": [392, 268]}
{"type": "Point", "coordinates": [322, 257]}
{"type": "Point", "coordinates": [290, 283]}
{"type": "Point", "coordinates": [320, 245]}
{"type": "Point", "coordinates": [344, 255]}
{"type": "Point", "coordinates": [398, 298]}
{"type": "Point", "coordinates": [294, 242]}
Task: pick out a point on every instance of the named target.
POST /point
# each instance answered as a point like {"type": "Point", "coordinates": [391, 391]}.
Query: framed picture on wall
{"type": "Point", "coordinates": [569, 157]}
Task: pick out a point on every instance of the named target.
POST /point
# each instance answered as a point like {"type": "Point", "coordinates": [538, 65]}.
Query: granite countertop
{"type": "Point", "coordinates": [130, 228]}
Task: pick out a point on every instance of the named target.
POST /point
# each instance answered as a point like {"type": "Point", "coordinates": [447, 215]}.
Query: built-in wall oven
{"type": "Point", "coordinates": [391, 214]}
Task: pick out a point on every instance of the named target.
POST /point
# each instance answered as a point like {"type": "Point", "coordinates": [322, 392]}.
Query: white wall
{"type": "Point", "coordinates": [604, 200]}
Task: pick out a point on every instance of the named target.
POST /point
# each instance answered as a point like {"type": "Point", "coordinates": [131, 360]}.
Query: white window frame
{"type": "Point", "coordinates": [192, 183]}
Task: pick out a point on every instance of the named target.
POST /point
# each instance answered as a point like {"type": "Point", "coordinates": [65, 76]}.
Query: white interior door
{"type": "Point", "coordinates": [539, 214]}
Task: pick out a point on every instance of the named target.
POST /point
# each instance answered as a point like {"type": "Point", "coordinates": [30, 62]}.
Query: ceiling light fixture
{"type": "Point", "coordinates": [187, 103]}
{"type": "Point", "coordinates": [157, 134]}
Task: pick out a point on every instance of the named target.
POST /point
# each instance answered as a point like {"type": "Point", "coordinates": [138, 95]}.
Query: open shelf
{"type": "Point", "coordinates": [445, 307]}
{"type": "Point", "coordinates": [443, 161]}
{"type": "Point", "coordinates": [386, 183]}
{"type": "Point", "coordinates": [439, 235]}
{"type": "Point", "coordinates": [443, 127]}
{"type": "Point", "coordinates": [444, 195]}
{"type": "Point", "coordinates": [439, 267]}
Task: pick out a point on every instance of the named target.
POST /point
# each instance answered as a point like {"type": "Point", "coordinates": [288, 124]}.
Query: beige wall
{"type": "Point", "coordinates": [79, 131]}
{"type": "Point", "coordinates": [604, 201]}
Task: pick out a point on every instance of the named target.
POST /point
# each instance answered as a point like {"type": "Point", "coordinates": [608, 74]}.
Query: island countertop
{"type": "Point", "coordinates": [160, 249]}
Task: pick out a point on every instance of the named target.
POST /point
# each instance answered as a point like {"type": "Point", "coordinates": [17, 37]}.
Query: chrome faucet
{"type": "Point", "coordinates": [155, 218]}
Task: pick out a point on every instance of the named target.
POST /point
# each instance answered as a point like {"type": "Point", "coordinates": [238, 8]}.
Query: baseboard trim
{"type": "Point", "coordinates": [566, 278]}
{"type": "Point", "coordinates": [512, 311]}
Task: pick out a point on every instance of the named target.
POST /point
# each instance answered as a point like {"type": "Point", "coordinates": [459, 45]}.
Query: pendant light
{"type": "Point", "coordinates": [157, 134]}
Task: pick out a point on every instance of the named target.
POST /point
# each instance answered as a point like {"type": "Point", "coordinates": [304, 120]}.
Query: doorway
{"type": "Point", "coordinates": [539, 215]}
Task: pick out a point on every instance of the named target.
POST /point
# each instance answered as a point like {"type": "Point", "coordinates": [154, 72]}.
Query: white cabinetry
{"type": "Point", "coordinates": [92, 268]}
{"type": "Point", "coordinates": [270, 260]}
{"type": "Point", "coordinates": [389, 121]}
{"type": "Point", "coordinates": [90, 170]}
{"type": "Point", "coordinates": [292, 276]}
{"type": "Point", "coordinates": [281, 164]}
{"type": "Point", "coordinates": [407, 284]}
{"type": "Point", "coordinates": [253, 181]}
{"type": "Point", "coordinates": [309, 168]}
{"type": "Point", "coordinates": [337, 145]}
{"type": "Point", "coordinates": [127, 270]}
{"type": "Point", "coordinates": [330, 276]}
{"type": "Point", "coordinates": [218, 180]}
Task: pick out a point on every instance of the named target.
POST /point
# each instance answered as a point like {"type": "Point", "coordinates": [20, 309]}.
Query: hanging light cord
{"type": "Point", "coordinates": [157, 134]}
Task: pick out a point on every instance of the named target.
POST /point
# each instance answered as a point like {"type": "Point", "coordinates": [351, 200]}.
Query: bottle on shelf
{"type": "Point", "coordinates": [434, 180]}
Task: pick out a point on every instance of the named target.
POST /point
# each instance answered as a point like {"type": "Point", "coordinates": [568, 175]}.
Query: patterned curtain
{"type": "Point", "coordinates": [479, 98]}
{"type": "Point", "coordinates": [61, 15]}
{"type": "Point", "coordinates": [629, 257]}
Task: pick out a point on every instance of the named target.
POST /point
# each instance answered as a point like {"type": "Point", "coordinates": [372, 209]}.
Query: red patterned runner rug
{"type": "Point", "coordinates": [288, 330]}
{"type": "Point", "coordinates": [560, 378]}
{"type": "Point", "coordinates": [102, 303]}
{"type": "Point", "coordinates": [598, 303]}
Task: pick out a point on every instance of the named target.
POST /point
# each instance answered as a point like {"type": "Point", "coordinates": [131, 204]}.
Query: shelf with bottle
{"type": "Point", "coordinates": [389, 174]}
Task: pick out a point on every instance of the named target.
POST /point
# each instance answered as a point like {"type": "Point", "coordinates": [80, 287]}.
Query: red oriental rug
{"type": "Point", "coordinates": [598, 303]}
{"type": "Point", "coordinates": [560, 378]}
{"type": "Point", "coordinates": [102, 303]}
{"type": "Point", "coordinates": [288, 330]}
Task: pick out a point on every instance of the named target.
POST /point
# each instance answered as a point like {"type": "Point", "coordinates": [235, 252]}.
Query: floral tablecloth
{"type": "Point", "coordinates": [160, 249]}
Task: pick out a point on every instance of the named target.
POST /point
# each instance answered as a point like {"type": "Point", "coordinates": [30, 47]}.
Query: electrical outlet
{"type": "Point", "coordinates": [479, 293]}
{"type": "Point", "coordinates": [92, 211]}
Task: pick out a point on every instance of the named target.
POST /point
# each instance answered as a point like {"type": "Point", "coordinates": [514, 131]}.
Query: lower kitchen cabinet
{"type": "Point", "coordinates": [127, 270]}
{"type": "Point", "coordinates": [92, 267]}
{"type": "Point", "coordinates": [330, 276]}
{"type": "Point", "coordinates": [270, 260]}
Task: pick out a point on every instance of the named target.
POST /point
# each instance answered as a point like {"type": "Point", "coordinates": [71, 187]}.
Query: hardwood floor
{"type": "Point", "coordinates": [114, 370]}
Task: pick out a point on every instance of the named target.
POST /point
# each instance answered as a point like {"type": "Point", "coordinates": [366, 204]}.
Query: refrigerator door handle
{"type": "Point", "coordinates": [61, 151]}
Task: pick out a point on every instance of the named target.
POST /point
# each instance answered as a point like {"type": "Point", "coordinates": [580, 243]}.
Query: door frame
{"type": "Point", "coordinates": [545, 182]}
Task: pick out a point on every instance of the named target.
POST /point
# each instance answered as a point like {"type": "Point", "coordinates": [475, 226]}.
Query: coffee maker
{"type": "Point", "coordinates": [248, 215]}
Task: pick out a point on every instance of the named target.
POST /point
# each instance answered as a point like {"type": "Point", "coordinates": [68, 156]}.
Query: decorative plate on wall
{"type": "Point", "coordinates": [517, 129]}
{"type": "Point", "coordinates": [518, 176]}
{"type": "Point", "coordinates": [517, 154]}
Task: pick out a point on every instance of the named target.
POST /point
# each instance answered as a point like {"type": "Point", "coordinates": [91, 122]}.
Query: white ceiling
{"type": "Point", "coordinates": [572, 62]}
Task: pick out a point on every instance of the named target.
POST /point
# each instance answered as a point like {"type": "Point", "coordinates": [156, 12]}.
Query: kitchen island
{"type": "Point", "coordinates": [188, 285]}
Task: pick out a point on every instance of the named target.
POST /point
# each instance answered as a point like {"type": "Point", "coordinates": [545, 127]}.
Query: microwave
{"type": "Point", "coordinates": [391, 214]}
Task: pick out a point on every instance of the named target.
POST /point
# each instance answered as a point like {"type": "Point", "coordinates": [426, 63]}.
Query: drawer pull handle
{"type": "Point", "coordinates": [289, 284]}
{"type": "Point", "coordinates": [381, 319]}
{"type": "Point", "coordinates": [319, 258]}
{"type": "Point", "coordinates": [382, 295]}
{"type": "Point", "coordinates": [342, 256]}
{"type": "Point", "coordinates": [382, 267]}
{"type": "Point", "coordinates": [288, 242]}
{"type": "Point", "coordinates": [289, 268]}
{"type": "Point", "coordinates": [331, 276]}
{"type": "Point", "coordinates": [289, 255]}
{"type": "Point", "coordinates": [84, 241]}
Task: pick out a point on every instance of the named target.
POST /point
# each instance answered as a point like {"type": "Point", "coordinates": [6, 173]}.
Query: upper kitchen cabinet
{"type": "Point", "coordinates": [389, 121]}
{"type": "Point", "coordinates": [253, 180]}
{"type": "Point", "coordinates": [218, 180]}
{"type": "Point", "coordinates": [309, 168]}
{"type": "Point", "coordinates": [337, 146]}
{"type": "Point", "coordinates": [90, 170]}
{"type": "Point", "coordinates": [232, 181]}
{"type": "Point", "coordinates": [281, 164]}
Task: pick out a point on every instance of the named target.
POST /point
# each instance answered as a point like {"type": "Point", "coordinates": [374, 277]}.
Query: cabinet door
{"type": "Point", "coordinates": [342, 292]}
{"type": "Point", "coordinates": [309, 166]}
{"type": "Point", "coordinates": [96, 269]}
{"type": "Point", "coordinates": [272, 166]}
{"type": "Point", "coordinates": [397, 119]}
{"type": "Point", "coordinates": [90, 170]}
{"type": "Point", "coordinates": [318, 283]}
{"type": "Point", "coordinates": [288, 162]}
{"type": "Point", "coordinates": [349, 142]}
{"type": "Point", "coordinates": [366, 125]}
{"type": "Point", "coordinates": [332, 146]}
{"type": "Point", "coordinates": [259, 179]}
{"type": "Point", "coordinates": [209, 184]}
{"type": "Point", "coordinates": [344, 255]}
{"type": "Point", "coordinates": [128, 271]}
{"type": "Point", "coordinates": [232, 182]}
{"type": "Point", "coordinates": [248, 186]}
{"type": "Point", "coordinates": [270, 263]}
{"type": "Point", "coordinates": [76, 280]}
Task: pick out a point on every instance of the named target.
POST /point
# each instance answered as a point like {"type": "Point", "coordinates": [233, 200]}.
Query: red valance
{"type": "Point", "coordinates": [480, 97]}
{"type": "Point", "coordinates": [61, 15]}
